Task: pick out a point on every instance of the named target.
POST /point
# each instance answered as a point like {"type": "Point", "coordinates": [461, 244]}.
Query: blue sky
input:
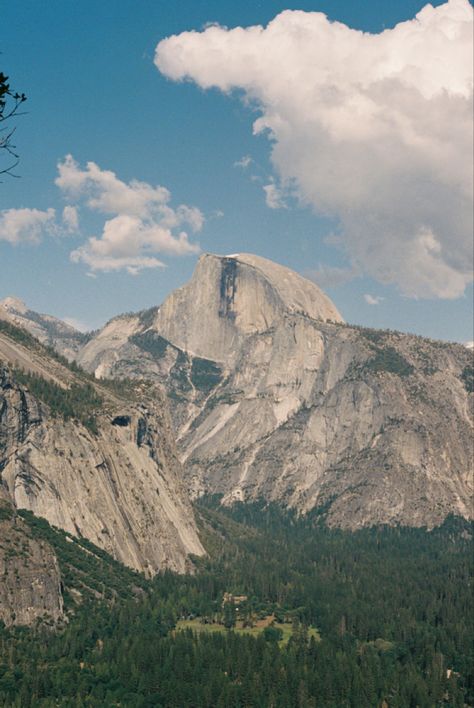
{"type": "Point", "coordinates": [94, 92]}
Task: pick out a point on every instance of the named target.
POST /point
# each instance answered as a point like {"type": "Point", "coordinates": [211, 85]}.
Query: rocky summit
{"type": "Point", "coordinates": [273, 396]}
{"type": "Point", "coordinates": [231, 298]}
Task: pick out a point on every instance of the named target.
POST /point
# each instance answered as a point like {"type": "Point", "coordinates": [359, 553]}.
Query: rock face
{"type": "Point", "coordinates": [273, 396]}
{"type": "Point", "coordinates": [231, 298]}
{"type": "Point", "coordinates": [48, 329]}
{"type": "Point", "coordinates": [31, 584]}
{"type": "Point", "coordinates": [112, 477]}
{"type": "Point", "coordinates": [227, 299]}
{"type": "Point", "coordinates": [113, 345]}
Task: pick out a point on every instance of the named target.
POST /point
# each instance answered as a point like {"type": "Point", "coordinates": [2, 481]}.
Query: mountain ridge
{"type": "Point", "coordinates": [298, 409]}
{"type": "Point", "coordinates": [273, 396]}
{"type": "Point", "coordinates": [49, 330]}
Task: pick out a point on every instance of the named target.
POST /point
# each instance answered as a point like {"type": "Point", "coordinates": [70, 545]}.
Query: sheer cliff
{"type": "Point", "coordinates": [95, 461]}
{"type": "Point", "coordinates": [273, 396]}
{"type": "Point", "coordinates": [31, 584]}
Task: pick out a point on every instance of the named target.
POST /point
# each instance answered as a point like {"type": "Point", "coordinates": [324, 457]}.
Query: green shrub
{"type": "Point", "coordinates": [205, 374]}
{"type": "Point", "coordinates": [467, 377]}
{"type": "Point", "coordinates": [152, 343]}
{"type": "Point", "coordinates": [78, 401]}
{"type": "Point", "coordinates": [272, 634]}
{"type": "Point", "coordinates": [389, 360]}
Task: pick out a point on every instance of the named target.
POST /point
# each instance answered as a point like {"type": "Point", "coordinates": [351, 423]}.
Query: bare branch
{"type": "Point", "coordinates": [9, 104]}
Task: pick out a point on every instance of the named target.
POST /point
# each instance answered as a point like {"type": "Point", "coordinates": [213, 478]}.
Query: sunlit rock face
{"type": "Point", "coordinates": [119, 485]}
{"type": "Point", "coordinates": [315, 415]}
{"type": "Point", "coordinates": [230, 298]}
{"type": "Point", "coordinates": [273, 396]}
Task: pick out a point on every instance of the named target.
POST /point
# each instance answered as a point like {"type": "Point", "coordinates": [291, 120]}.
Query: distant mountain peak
{"type": "Point", "coordinates": [48, 329]}
{"type": "Point", "coordinates": [297, 293]}
{"type": "Point", "coordinates": [230, 297]}
{"type": "Point", "coordinates": [14, 304]}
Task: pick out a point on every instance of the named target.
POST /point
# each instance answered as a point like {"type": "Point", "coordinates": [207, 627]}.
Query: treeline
{"type": "Point", "coordinates": [19, 334]}
{"type": "Point", "coordinates": [78, 401]}
{"type": "Point", "coordinates": [85, 568]}
{"type": "Point", "coordinates": [22, 336]}
{"type": "Point", "coordinates": [123, 388]}
{"type": "Point", "coordinates": [391, 605]}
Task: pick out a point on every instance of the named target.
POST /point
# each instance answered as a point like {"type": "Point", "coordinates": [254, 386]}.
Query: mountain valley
{"type": "Point", "coordinates": [203, 501]}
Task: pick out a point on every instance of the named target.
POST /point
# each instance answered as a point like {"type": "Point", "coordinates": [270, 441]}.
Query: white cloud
{"type": "Point", "coordinates": [469, 345]}
{"type": "Point", "coordinates": [142, 226]}
{"type": "Point", "coordinates": [274, 196]}
{"type": "Point", "coordinates": [244, 162]}
{"type": "Point", "coordinates": [108, 194]}
{"type": "Point", "coordinates": [373, 129]}
{"type": "Point", "coordinates": [127, 243]}
{"type": "Point", "coordinates": [25, 225]}
{"type": "Point", "coordinates": [373, 299]}
{"type": "Point", "coordinates": [70, 218]}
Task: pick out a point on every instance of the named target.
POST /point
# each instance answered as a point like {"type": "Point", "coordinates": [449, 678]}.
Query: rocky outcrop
{"type": "Point", "coordinates": [227, 299]}
{"type": "Point", "coordinates": [112, 476]}
{"type": "Point", "coordinates": [273, 396]}
{"type": "Point", "coordinates": [30, 588]}
{"type": "Point", "coordinates": [369, 433]}
{"type": "Point", "coordinates": [113, 345]}
{"type": "Point", "coordinates": [231, 298]}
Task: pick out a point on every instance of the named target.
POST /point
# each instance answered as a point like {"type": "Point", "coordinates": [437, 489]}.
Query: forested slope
{"type": "Point", "coordinates": [391, 606]}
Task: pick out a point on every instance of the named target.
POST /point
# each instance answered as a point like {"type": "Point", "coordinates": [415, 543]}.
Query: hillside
{"type": "Point", "coordinates": [31, 581]}
{"type": "Point", "coordinates": [48, 329]}
{"type": "Point", "coordinates": [48, 575]}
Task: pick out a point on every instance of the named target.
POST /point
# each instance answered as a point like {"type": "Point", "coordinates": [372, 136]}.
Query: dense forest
{"type": "Point", "coordinates": [392, 607]}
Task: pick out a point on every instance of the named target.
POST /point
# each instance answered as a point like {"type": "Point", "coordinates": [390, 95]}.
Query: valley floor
{"type": "Point", "coordinates": [391, 606]}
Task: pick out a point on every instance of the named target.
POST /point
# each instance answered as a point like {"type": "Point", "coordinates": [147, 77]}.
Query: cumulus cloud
{"type": "Point", "coordinates": [375, 130]}
{"type": "Point", "coordinates": [373, 299]}
{"type": "Point", "coordinates": [142, 223]}
{"type": "Point", "coordinates": [70, 218]}
{"type": "Point", "coordinates": [244, 162]}
{"type": "Point", "coordinates": [106, 193]}
{"type": "Point", "coordinates": [26, 225]}
{"type": "Point", "coordinates": [274, 196]}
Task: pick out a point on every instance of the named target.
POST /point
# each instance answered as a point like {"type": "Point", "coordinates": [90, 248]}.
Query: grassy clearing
{"type": "Point", "coordinates": [196, 625]}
